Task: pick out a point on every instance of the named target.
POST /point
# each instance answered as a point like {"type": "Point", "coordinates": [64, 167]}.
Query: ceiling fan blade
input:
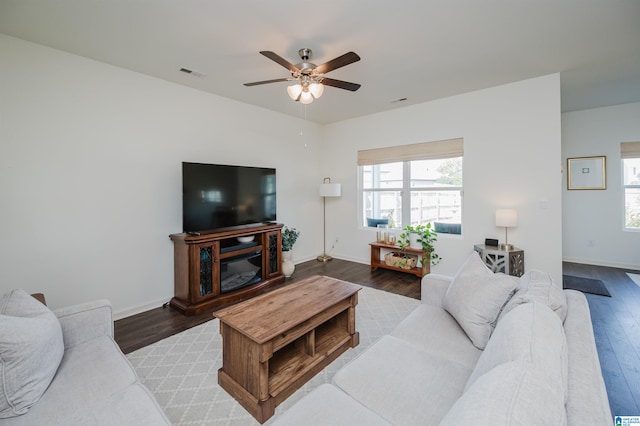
{"type": "Point", "coordinates": [340, 61]}
{"type": "Point", "coordinates": [279, 59]}
{"type": "Point", "coordinates": [340, 84]}
{"type": "Point", "coordinates": [256, 83]}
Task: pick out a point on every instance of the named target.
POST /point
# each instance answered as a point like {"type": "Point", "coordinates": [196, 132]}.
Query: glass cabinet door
{"type": "Point", "coordinates": [273, 259]}
{"type": "Point", "coordinates": [207, 255]}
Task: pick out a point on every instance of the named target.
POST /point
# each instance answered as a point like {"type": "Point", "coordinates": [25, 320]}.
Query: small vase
{"type": "Point", "coordinates": [287, 264]}
{"type": "Point", "coordinates": [413, 238]}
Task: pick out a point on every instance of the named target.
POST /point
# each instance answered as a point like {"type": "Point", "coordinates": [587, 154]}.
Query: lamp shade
{"type": "Point", "coordinates": [506, 217]}
{"type": "Point", "coordinates": [330, 190]}
{"type": "Point", "coordinates": [316, 89]}
{"type": "Point", "coordinates": [294, 91]}
{"type": "Point", "coordinates": [305, 97]}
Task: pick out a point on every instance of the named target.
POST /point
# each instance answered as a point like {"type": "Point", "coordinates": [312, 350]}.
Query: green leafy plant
{"type": "Point", "coordinates": [289, 238]}
{"type": "Point", "coordinates": [426, 237]}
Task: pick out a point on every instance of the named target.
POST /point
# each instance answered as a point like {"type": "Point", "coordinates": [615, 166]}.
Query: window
{"type": "Point", "coordinates": [630, 153]}
{"type": "Point", "coordinates": [412, 185]}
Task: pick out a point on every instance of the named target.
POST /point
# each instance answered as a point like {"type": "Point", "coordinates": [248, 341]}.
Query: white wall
{"type": "Point", "coordinates": [90, 184]}
{"type": "Point", "coordinates": [595, 215]}
{"type": "Point", "coordinates": [90, 172]}
{"type": "Point", "coordinates": [512, 158]}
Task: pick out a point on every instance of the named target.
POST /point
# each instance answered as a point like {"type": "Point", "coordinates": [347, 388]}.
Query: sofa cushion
{"type": "Point", "coordinates": [135, 405]}
{"type": "Point", "coordinates": [512, 394]}
{"type": "Point", "coordinates": [88, 374]}
{"type": "Point", "coordinates": [31, 347]}
{"type": "Point", "coordinates": [538, 286]}
{"type": "Point", "coordinates": [403, 384]}
{"type": "Point", "coordinates": [530, 332]}
{"type": "Point", "coordinates": [328, 405]}
{"type": "Point", "coordinates": [475, 297]}
{"type": "Point", "coordinates": [433, 330]}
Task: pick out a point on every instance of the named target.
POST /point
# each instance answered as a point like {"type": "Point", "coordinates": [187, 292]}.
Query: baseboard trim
{"type": "Point", "coordinates": [139, 309]}
{"type": "Point", "coordinates": [600, 263]}
{"type": "Point", "coordinates": [353, 259]}
{"type": "Point", "coordinates": [335, 257]}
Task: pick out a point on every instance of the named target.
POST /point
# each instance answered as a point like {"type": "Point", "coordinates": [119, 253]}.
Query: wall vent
{"type": "Point", "coordinates": [192, 72]}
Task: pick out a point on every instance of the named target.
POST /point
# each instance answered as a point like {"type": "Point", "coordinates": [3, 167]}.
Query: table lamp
{"type": "Point", "coordinates": [507, 218]}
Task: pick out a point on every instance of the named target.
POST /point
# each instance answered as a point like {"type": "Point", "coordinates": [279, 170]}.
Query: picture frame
{"type": "Point", "coordinates": [587, 173]}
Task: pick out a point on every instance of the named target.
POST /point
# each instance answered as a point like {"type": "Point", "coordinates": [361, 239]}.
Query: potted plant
{"type": "Point", "coordinates": [289, 238]}
{"type": "Point", "coordinates": [425, 236]}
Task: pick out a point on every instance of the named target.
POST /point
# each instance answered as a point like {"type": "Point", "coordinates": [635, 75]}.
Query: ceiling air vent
{"type": "Point", "coordinates": [192, 72]}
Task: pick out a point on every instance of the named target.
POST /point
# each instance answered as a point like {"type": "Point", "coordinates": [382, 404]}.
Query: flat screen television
{"type": "Point", "coordinates": [218, 196]}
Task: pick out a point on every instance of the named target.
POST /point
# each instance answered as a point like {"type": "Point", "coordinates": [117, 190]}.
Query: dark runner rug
{"type": "Point", "coordinates": [585, 285]}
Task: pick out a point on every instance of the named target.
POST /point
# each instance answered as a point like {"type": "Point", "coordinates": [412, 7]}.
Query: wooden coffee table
{"type": "Point", "coordinates": [274, 343]}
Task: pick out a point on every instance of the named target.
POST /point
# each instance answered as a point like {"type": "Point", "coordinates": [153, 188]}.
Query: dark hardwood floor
{"type": "Point", "coordinates": [616, 320]}
{"type": "Point", "coordinates": [140, 330]}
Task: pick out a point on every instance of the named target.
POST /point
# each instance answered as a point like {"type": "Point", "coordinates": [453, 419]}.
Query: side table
{"type": "Point", "coordinates": [510, 262]}
{"type": "Point", "coordinates": [377, 260]}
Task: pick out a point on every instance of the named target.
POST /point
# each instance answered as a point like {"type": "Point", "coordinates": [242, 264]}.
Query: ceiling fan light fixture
{"type": "Point", "coordinates": [306, 97]}
{"type": "Point", "coordinates": [309, 78]}
{"type": "Point", "coordinates": [294, 91]}
{"type": "Point", "coordinates": [316, 89]}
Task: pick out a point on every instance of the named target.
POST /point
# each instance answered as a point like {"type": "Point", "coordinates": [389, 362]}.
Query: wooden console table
{"type": "Point", "coordinates": [274, 343]}
{"type": "Point", "coordinates": [377, 261]}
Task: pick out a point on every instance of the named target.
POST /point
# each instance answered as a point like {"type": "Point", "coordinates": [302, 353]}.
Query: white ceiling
{"type": "Point", "coordinates": [416, 49]}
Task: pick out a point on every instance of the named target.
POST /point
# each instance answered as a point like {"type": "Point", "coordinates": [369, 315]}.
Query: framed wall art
{"type": "Point", "coordinates": [587, 173]}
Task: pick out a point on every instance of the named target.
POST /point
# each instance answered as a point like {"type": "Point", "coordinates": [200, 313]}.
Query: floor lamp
{"type": "Point", "coordinates": [327, 189]}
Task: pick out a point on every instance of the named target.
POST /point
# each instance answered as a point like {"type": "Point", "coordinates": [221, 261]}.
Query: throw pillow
{"type": "Point", "coordinates": [538, 286]}
{"type": "Point", "coordinates": [31, 348]}
{"type": "Point", "coordinates": [510, 394]}
{"type": "Point", "coordinates": [475, 297]}
{"type": "Point", "coordinates": [530, 332]}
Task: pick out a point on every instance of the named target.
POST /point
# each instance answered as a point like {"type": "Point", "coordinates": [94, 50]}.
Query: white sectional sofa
{"type": "Point", "coordinates": [481, 349]}
{"type": "Point", "coordinates": [64, 368]}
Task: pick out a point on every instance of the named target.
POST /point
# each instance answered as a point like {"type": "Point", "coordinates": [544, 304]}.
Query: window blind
{"type": "Point", "coordinates": [630, 150]}
{"type": "Point", "coordinates": [419, 151]}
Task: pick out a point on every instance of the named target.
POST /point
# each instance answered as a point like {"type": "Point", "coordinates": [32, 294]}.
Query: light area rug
{"type": "Point", "coordinates": [635, 278]}
{"type": "Point", "coordinates": [182, 370]}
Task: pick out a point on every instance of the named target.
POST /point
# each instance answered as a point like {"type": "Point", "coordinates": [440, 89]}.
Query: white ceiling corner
{"type": "Point", "coordinates": [421, 50]}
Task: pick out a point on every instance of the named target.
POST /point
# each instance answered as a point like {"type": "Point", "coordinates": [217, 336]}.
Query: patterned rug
{"type": "Point", "coordinates": [182, 370]}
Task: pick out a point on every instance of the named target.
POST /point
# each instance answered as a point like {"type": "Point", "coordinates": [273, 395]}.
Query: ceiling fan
{"type": "Point", "coordinates": [309, 78]}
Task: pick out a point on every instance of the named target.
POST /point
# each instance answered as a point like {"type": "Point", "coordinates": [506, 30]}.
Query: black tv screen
{"type": "Point", "coordinates": [219, 196]}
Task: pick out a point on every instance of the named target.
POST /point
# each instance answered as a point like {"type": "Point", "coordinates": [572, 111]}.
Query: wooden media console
{"type": "Point", "coordinates": [220, 267]}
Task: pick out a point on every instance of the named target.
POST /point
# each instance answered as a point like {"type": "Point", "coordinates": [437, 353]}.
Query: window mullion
{"type": "Point", "coordinates": [405, 195]}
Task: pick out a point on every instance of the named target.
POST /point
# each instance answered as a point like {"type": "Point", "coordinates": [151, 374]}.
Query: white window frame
{"type": "Point", "coordinates": [628, 150]}
{"type": "Point", "coordinates": [405, 154]}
